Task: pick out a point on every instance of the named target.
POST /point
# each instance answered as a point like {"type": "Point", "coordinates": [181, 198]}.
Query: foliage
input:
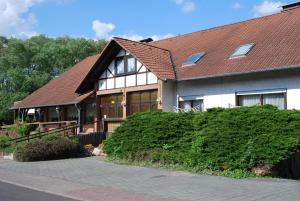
{"type": "Point", "coordinates": [5, 144]}
{"type": "Point", "coordinates": [155, 136]}
{"type": "Point", "coordinates": [241, 138]}
{"type": "Point", "coordinates": [22, 129]}
{"type": "Point", "coordinates": [225, 141]}
{"type": "Point", "coordinates": [42, 149]}
{"type": "Point", "coordinates": [26, 65]}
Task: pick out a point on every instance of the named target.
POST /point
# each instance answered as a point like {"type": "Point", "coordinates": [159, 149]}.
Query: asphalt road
{"type": "Point", "coordinates": [9, 192]}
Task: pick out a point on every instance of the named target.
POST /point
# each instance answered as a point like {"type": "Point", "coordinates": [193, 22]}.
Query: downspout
{"type": "Point", "coordinates": [78, 115]}
{"type": "Point", "coordinates": [176, 82]}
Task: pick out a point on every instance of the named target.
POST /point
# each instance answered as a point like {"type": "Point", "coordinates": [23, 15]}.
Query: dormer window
{"type": "Point", "coordinates": [242, 51]}
{"type": "Point", "coordinates": [193, 59]}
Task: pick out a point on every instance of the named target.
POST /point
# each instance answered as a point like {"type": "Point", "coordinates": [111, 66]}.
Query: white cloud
{"type": "Point", "coordinates": [102, 29]}
{"type": "Point", "coordinates": [237, 5]}
{"type": "Point", "coordinates": [267, 8]}
{"type": "Point", "coordinates": [15, 18]}
{"type": "Point", "coordinates": [186, 6]}
{"type": "Point", "coordinates": [178, 2]}
{"type": "Point", "coordinates": [137, 37]}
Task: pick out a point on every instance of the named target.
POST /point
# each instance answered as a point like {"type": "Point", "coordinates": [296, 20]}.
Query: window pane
{"type": "Point", "coordinates": [185, 105]}
{"type": "Point", "coordinates": [119, 98]}
{"type": "Point", "coordinates": [112, 111]}
{"type": "Point", "coordinates": [134, 98]}
{"type": "Point", "coordinates": [133, 108]}
{"type": "Point", "coordinates": [130, 64]}
{"type": "Point", "coordinates": [274, 99]}
{"type": "Point", "coordinates": [120, 66]}
{"type": "Point", "coordinates": [120, 111]}
{"type": "Point", "coordinates": [198, 105]}
{"type": "Point", "coordinates": [242, 50]}
{"type": "Point", "coordinates": [145, 96]}
{"type": "Point", "coordinates": [249, 100]}
{"type": "Point", "coordinates": [102, 84]}
{"type": "Point", "coordinates": [154, 106]}
{"type": "Point", "coordinates": [145, 107]}
{"type": "Point", "coordinates": [153, 95]}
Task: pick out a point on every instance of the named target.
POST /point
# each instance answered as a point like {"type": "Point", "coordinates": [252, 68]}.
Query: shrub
{"type": "Point", "coordinates": [42, 149]}
{"type": "Point", "coordinates": [241, 138]}
{"type": "Point", "coordinates": [5, 144]}
{"type": "Point", "coordinates": [230, 140]}
{"type": "Point", "coordinates": [156, 136]}
{"type": "Point", "coordinates": [22, 129]}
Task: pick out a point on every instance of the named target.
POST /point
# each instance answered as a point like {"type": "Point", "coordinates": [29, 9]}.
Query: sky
{"type": "Point", "coordinates": [132, 19]}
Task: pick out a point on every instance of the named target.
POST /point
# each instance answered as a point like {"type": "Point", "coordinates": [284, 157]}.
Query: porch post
{"type": "Point", "coordinates": [98, 112]}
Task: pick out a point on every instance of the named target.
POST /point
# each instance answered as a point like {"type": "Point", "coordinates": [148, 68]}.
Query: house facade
{"type": "Point", "coordinates": [255, 62]}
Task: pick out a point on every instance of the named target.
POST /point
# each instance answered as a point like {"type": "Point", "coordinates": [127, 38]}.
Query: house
{"type": "Point", "coordinates": [254, 62]}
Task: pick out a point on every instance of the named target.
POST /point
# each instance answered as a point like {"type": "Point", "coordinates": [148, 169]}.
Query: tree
{"type": "Point", "coordinates": [26, 65]}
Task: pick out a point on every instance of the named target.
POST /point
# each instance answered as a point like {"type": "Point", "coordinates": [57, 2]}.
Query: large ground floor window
{"type": "Point", "coordinates": [143, 101]}
{"type": "Point", "coordinates": [276, 99]}
{"type": "Point", "coordinates": [111, 106]}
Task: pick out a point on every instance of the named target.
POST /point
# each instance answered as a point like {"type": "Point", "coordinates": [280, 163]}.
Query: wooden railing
{"type": "Point", "coordinates": [41, 123]}
{"type": "Point", "coordinates": [63, 130]}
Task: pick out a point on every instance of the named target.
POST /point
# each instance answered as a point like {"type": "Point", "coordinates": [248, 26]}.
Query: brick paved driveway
{"type": "Point", "coordinates": [94, 179]}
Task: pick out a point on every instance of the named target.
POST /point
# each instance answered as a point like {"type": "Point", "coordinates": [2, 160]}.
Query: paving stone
{"type": "Point", "coordinates": [92, 177]}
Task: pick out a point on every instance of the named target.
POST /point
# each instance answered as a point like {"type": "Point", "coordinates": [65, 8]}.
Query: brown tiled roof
{"type": "Point", "coordinates": [276, 38]}
{"type": "Point", "coordinates": [61, 91]}
{"type": "Point", "coordinates": [156, 59]}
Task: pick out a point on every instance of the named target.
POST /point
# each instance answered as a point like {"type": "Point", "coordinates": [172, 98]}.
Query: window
{"type": "Point", "coordinates": [193, 59]}
{"type": "Point", "coordinates": [191, 105]}
{"type": "Point", "coordinates": [276, 99]}
{"type": "Point", "coordinates": [72, 113]}
{"type": "Point", "coordinates": [144, 101]}
{"type": "Point", "coordinates": [125, 65]}
{"type": "Point", "coordinates": [131, 64]}
{"type": "Point", "coordinates": [242, 50]}
{"type": "Point", "coordinates": [89, 113]}
{"type": "Point", "coordinates": [52, 114]}
{"type": "Point", "coordinates": [111, 106]}
{"type": "Point", "coordinates": [120, 65]}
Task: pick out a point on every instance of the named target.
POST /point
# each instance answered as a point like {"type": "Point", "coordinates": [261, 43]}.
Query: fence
{"type": "Point", "coordinates": [8, 133]}
{"type": "Point", "coordinates": [93, 138]}
{"type": "Point", "coordinates": [290, 168]}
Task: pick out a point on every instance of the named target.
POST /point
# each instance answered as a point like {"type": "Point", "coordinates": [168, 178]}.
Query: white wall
{"type": "Point", "coordinates": [221, 92]}
{"type": "Point", "coordinates": [108, 79]}
{"type": "Point", "coordinates": [168, 94]}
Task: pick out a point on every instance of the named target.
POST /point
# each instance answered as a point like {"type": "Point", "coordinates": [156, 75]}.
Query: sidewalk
{"type": "Point", "coordinates": [94, 179]}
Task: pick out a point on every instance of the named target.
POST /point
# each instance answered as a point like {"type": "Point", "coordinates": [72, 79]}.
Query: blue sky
{"type": "Point", "coordinates": [134, 19]}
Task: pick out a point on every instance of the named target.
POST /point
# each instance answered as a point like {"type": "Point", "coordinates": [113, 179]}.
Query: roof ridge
{"type": "Point", "coordinates": [222, 26]}
{"type": "Point", "coordinates": [141, 43]}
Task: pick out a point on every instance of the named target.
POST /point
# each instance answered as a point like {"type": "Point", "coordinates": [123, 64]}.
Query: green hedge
{"type": "Point", "coordinates": [219, 139]}
{"type": "Point", "coordinates": [153, 136]}
{"type": "Point", "coordinates": [245, 137]}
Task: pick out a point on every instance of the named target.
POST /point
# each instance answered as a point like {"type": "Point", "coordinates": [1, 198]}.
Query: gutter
{"type": "Point", "coordinates": [290, 67]}
{"type": "Point", "coordinates": [38, 106]}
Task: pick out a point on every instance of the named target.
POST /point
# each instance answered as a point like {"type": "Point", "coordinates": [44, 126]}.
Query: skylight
{"type": "Point", "coordinates": [242, 50]}
{"type": "Point", "coordinates": [194, 58]}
